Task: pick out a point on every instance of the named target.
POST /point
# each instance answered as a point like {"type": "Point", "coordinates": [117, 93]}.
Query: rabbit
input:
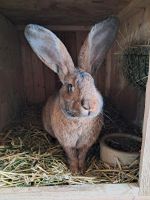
{"type": "Point", "coordinates": [74, 116]}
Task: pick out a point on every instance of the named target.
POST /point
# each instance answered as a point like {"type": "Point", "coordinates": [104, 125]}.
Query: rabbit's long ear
{"type": "Point", "coordinates": [49, 49]}
{"type": "Point", "coordinates": [97, 44]}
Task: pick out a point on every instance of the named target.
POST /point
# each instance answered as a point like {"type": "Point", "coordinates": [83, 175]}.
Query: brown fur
{"type": "Point", "coordinates": [76, 135]}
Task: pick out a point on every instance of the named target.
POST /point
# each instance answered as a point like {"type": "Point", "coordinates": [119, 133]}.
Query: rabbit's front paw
{"type": "Point", "coordinates": [74, 168]}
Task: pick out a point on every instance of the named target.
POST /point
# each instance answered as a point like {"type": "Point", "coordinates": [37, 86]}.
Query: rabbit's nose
{"type": "Point", "coordinates": [85, 104]}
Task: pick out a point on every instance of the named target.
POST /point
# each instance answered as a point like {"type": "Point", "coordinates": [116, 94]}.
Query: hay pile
{"type": "Point", "coordinates": [136, 65]}
{"type": "Point", "coordinates": [30, 157]}
{"type": "Point", "coordinates": [133, 51]}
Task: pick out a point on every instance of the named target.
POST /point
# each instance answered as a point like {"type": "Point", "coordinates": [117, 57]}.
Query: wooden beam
{"type": "Point", "coordinates": [73, 192]}
{"type": "Point", "coordinates": [108, 73]}
{"type": "Point", "coordinates": [145, 151]}
{"type": "Point", "coordinates": [60, 12]}
{"type": "Point", "coordinates": [131, 9]}
{"type": "Point", "coordinates": [60, 28]}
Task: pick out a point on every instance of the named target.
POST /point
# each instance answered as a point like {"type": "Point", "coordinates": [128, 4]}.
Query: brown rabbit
{"type": "Point", "coordinates": [74, 116]}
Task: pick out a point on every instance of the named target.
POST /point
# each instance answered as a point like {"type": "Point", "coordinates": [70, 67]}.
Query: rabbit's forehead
{"type": "Point", "coordinates": [80, 78]}
{"type": "Point", "coordinates": [84, 78]}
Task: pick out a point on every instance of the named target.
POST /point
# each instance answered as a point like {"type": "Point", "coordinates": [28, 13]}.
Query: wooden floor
{"type": "Point", "coordinates": [75, 192]}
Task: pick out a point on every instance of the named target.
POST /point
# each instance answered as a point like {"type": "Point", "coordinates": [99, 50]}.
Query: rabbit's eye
{"type": "Point", "coordinates": [70, 88]}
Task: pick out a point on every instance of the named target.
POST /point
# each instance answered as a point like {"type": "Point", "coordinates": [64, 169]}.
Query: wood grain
{"type": "Point", "coordinates": [145, 151]}
{"type": "Point", "coordinates": [128, 99]}
{"type": "Point", "coordinates": [74, 192]}
{"type": "Point", "coordinates": [132, 9]}
{"type": "Point", "coordinates": [11, 93]}
{"type": "Point", "coordinates": [60, 28]}
{"type": "Point", "coordinates": [49, 82]}
{"type": "Point", "coordinates": [108, 72]}
{"type": "Point", "coordinates": [80, 38]}
{"type": "Point", "coordinates": [38, 79]}
{"type": "Point", "coordinates": [27, 70]}
{"type": "Point", "coordinates": [60, 12]}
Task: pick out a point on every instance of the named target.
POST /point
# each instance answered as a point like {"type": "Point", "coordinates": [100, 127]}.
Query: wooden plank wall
{"type": "Point", "coordinates": [11, 90]}
{"type": "Point", "coordinates": [134, 26]}
{"type": "Point", "coordinates": [62, 12]}
{"type": "Point", "coordinates": [123, 191]}
{"type": "Point", "coordinates": [145, 150]}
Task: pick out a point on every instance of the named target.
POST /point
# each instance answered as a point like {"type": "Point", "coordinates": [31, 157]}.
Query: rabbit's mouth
{"type": "Point", "coordinates": [69, 113]}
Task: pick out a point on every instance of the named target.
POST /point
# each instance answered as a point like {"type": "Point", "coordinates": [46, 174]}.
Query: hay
{"type": "Point", "coordinates": [133, 52]}
{"type": "Point", "coordinates": [136, 65]}
{"type": "Point", "coordinates": [30, 157]}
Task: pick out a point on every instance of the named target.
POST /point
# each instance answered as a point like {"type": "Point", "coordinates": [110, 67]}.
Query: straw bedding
{"type": "Point", "coordinates": [30, 157]}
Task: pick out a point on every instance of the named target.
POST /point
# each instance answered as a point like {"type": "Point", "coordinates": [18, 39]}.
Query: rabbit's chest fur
{"type": "Point", "coordinates": [70, 132]}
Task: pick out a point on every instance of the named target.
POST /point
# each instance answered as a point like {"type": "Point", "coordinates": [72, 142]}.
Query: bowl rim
{"type": "Point", "coordinates": [127, 135]}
